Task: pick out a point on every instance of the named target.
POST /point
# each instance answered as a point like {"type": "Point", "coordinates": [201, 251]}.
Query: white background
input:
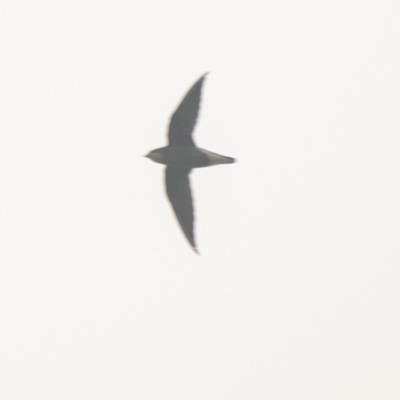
{"type": "Point", "coordinates": [296, 292]}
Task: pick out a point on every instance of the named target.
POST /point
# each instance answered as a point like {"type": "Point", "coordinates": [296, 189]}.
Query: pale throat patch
{"type": "Point", "coordinates": [156, 157]}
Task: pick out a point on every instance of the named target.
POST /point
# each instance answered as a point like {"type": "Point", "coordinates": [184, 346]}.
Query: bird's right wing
{"type": "Point", "coordinates": [178, 190]}
{"type": "Point", "coordinates": [184, 118]}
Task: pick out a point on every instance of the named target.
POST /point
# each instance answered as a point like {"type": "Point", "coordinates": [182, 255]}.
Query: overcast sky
{"type": "Point", "coordinates": [295, 294]}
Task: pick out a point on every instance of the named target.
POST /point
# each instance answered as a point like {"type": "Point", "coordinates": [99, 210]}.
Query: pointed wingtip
{"type": "Point", "coordinates": [194, 247]}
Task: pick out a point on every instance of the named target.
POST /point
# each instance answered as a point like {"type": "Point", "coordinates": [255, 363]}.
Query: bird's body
{"type": "Point", "coordinates": [181, 155]}
{"type": "Point", "coordinates": [187, 157]}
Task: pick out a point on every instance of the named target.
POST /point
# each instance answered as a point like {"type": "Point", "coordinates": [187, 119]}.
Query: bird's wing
{"type": "Point", "coordinates": [178, 190]}
{"type": "Point", "coordinates": [184, 118]}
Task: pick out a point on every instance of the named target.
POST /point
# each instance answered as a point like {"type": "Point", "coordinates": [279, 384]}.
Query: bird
{"type": "Point", "coordinates": [181, 155]}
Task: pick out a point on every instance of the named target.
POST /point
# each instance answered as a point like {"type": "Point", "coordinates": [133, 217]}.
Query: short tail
{"type": "Point", "coordinates": [229, 160]}
{"type": "Point", "coordinates": [216, 159]}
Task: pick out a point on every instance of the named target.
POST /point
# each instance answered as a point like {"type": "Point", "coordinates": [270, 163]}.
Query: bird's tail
{"type": "Point", "coordinates": [215, 158]}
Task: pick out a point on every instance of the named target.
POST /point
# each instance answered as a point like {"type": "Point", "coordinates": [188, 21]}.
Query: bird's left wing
{"type": "Point", "coordinates": [178, 190]}
{"type": "Point", "coordinates": [184, 118]}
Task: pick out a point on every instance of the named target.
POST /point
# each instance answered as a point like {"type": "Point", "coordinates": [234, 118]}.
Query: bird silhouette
{"type": "Point", "coordinates": [181, 156]}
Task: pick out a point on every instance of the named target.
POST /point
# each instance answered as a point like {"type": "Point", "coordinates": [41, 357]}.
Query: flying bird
{"type": "Point", "coordinates": [181, 156]}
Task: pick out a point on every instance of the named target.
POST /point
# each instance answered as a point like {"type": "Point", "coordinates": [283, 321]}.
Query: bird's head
{"type": "Point", "coordinates": [155, 156]}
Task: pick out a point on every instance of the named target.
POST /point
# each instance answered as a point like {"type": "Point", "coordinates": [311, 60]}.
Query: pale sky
{"type": "Point", "coordinates": [296, 292]}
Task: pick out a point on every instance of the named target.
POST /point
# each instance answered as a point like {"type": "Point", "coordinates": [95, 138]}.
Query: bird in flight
{"type": "Point", "coordinates": [181, 156]}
